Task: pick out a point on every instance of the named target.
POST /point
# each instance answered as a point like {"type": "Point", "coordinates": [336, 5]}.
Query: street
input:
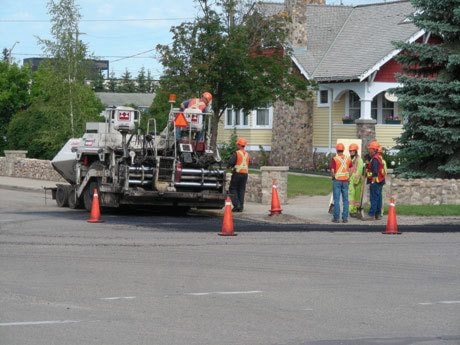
{"type": "Point", "coordinates": [162, 279]}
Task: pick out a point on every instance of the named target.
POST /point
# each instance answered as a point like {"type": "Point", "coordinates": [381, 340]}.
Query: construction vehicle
{"type": "Point", "coordinates": [176, 167]}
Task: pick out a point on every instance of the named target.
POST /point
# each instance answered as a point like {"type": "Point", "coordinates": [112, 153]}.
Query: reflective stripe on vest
{"type": "Point", "coordinates": [342, 173]}
{"type": "Point", "coordinates": [242, 162]}
{"type": "Point", "coordinates": [195, 103]}
{"type": "Point", "coordinates": [381, 172]}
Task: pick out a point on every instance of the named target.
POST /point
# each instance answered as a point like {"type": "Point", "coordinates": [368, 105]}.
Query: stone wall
{"type": "Point", "coordinates": [292, 135]}
{"type": "Point", "coordinates": [14, 164]}
{"type": "Point", "coordinates": [423, 191]}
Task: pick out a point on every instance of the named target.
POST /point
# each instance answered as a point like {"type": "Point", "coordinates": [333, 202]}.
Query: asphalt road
{"type": "Point", "coordinates": [159, 279]}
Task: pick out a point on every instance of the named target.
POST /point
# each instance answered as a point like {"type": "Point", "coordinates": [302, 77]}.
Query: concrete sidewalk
{"type": "Point", "coordinates": [303, 209]}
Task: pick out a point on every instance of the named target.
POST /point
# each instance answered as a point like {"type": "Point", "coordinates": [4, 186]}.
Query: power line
{"type": "Point", "coordinates": [92, 20]}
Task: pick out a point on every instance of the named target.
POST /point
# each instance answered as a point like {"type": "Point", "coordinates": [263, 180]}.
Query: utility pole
{"type": "Point", "coordinates": [10, 60]}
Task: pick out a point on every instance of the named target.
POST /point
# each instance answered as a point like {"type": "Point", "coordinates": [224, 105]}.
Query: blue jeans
{"type": "Point", "coordinates": [376, 199]}
{"type": "Point", "coordinates": [340, 188]}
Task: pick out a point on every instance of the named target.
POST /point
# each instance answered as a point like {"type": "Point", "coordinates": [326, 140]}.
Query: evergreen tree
{"type": "Point", "coordinates": [98, 82]}
{"type": "Point", "coordinates": [112, 85]}
{"type": "Point", "coordinates": [150, 82]}
{"type": "Point", "coordinates": [126, 84]}
{"type": "Point", "coordinates": [141, 79]}
{"type": "Point", "coordinates": [430, 95]}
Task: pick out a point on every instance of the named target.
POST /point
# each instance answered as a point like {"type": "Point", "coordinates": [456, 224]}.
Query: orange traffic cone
{"type": "Point", "coordinates": [227, 224]}
{"type": "Point", "coordinates": [276, 208]}
{"type": "Point", "coordinates": [392, 224]}
{"type": "Point", "coordinates": [95, 215]}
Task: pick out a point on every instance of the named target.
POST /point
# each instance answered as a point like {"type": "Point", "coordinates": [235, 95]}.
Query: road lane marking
{"type": "Point", "coordinates": [117, 298]}
{"type": "Point", "coordinates": [222, 293]}
{"type": "Point", "coordinates": [29, 323]}
{"type": "Point", "coordinates": [440, 302]}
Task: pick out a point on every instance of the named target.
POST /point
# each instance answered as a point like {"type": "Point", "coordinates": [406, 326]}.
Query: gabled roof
{"type": "Point", "coordinates": [345, 43]}
{"type": "Point", "coordinates": [117, 99]}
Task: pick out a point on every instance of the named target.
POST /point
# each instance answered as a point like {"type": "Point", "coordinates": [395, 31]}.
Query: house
{"type": "Point", "coordinates": [142, 101]}
{"type": "Point", "coordinates": [349, 52]}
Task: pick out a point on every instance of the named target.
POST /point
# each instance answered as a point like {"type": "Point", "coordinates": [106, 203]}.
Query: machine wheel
{"type": "Point", "coordinates": [74, 203]}
{"type": "Point", "coordinates": [62, 196]}
{"type": "Point", "coordinates": [88, 194]}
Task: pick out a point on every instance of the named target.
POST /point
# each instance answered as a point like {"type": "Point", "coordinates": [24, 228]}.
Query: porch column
{"type": "Point", "coordinates": [366, 109]}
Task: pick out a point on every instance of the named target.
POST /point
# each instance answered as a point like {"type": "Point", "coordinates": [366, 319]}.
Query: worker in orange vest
{"type": "Point", "coordinates": [239, 163]}
{"type": "Point", "coordinates": [340, 172]}
{"type": "Point", "coordinates": [375, 180]}
{"type": "Point", "coordinates": [200, 104]}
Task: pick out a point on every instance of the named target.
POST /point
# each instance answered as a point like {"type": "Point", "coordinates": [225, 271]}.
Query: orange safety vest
{"type": "Point", "coordinates": [242, 162]}
{"type": "Point", "coordinates": [343, 163]}
{"type": "Point", "coordinates": [381, 170]}
{"type": "Point", "coordinates": [196, 103]}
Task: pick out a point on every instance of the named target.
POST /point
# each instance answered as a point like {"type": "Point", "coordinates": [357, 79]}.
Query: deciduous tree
{"type": "Point", "coordinates": [222, 51]}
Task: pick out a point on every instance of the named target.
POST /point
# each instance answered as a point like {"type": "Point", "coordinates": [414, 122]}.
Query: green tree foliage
{"type": "Point", "coordinates": [98, 82]}
{"type": "Point", "coordinates": [222, 52]}
{"type": "Point", "coordinates": [14, 95]}
{"type": "Point", "coordinates": [112, 85]}
{"type": "Point", "coordinates": [142, 85]}
{"type": "Point", "coordinates": [43, 128]}
{"type": "Point", "coordinates": [430, 96]}
{"type": "Point", "coordinates": [60, 102]}
{"type": "Point", "coordinates": [127, 84]}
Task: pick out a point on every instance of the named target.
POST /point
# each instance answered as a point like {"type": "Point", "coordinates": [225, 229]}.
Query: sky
{"type": "Point", "coordinates": [125, 32]}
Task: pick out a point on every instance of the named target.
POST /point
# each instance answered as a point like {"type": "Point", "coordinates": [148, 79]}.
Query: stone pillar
{"type": "Point", "coordinates": [280, 175]}
{"type": "Point", "coordinates": [365, 130]}
{"type": "Point", "coordinates": [11, 156]}
{"type": "Point", "coordinates": [292, 135]}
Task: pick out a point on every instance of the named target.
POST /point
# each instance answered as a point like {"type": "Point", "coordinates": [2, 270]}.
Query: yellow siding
{"type": "Point", "coordinates": [321, 124]}
{"type": "Point", "coordinates": [386, 134]}
{"type": "Point", "coordinates": [255, 137]}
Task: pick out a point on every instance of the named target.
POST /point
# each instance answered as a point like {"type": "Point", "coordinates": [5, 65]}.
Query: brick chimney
{"type": "Point", "coordinates": [296, 10]}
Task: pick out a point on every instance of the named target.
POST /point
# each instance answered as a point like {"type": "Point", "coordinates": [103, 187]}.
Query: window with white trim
{"type": "Point", "coordinates": [354, 105]}
{"type": "Point", "coordinates": [323, 98]}
{"type": "Point", "coordinates": [236, 118]}
{"type": "Point", "coordinates": [259, 118]}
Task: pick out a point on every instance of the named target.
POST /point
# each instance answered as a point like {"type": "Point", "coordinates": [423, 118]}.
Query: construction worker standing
{"type": "Point", "coordinates": [340, 170]}
{"type": "Point", "coordinates": [376, 180]}
{"type": "Point", "coordinates": [239, 163]}
{"type": "Point", "coordinates": [356, 185]}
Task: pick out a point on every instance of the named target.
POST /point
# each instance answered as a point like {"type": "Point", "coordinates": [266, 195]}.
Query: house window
{"type": "Point", "coordinates": [354, 106]}
{"type": "Point", "coordinates": [236, 118]}
{"type": "Point", "coordinates": [323, 98]}
{"type": "Point", "coordinates": [388, 109]}
{"type": "Point", "coordinates": [261, 118]}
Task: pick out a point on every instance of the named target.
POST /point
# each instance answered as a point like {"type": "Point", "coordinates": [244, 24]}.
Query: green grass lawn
{"type": "Point", "coordinates": [321, 185]}
{"type": "Point", "coordinates": [308, 185]}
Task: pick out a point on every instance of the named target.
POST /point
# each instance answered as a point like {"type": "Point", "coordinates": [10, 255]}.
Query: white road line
{"type": "Point", "coordinates": [36, 323]}
{"type": "Point", "coordinates": [116, 298]}
{"type": "Point", "coordinates": [440, 302]}
{"type": "Point", "coordinates": [222, 293]}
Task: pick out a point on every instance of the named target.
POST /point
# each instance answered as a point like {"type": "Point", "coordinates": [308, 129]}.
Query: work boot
{"type": "Point", "coordinates": [335, 221]}
{"type": "Point", "coordinates": [344, 220]}
{"type": "Point", "coordinates": [369, 218]}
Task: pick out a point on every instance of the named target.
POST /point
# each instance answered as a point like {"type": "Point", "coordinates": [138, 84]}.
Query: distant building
{"type": "Point", "coordinates": [96, 66]}
{"type": "Point", "coordinates": [142, 101]}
